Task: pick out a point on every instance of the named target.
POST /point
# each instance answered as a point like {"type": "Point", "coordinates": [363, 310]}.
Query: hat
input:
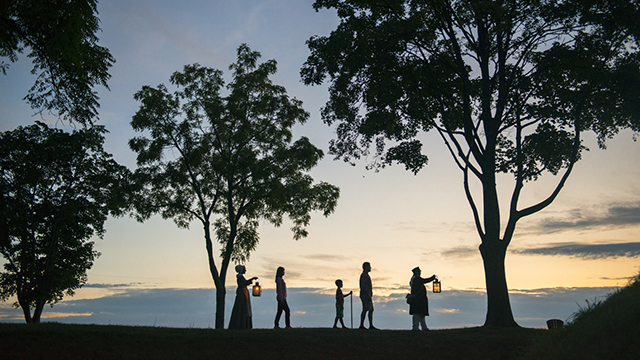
{"type": "Point", "coordinates": [416, 269]}
{"type": "Point", "coordinates": [239, 268]}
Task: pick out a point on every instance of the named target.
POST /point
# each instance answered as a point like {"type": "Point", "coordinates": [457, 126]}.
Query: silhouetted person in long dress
{"type": "Point", "coordinates": [281, 297]}
{"type": "Point", "coordinates": [241, 313]}
{"type": "Point", "coordinates": [419, 305]}
{"type": "Point", "coordinates": [366, 296]}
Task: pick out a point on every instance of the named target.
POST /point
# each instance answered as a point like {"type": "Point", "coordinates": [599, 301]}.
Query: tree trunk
{"type": "Point", "coordinates": [26, 310]}
{"type": "Point", "coordinates": [221, 292]}
{"type": "Point", "coordinates": [218, 279]}
{"type": "Point", "coordinates": [37, 312]}
{"type": "Point", "coordinates": [494, 250]}
{"type": "Point", "coordinates": [499, 313]}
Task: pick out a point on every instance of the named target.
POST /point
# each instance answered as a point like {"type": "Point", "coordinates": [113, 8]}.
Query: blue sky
{"type": "Point", "coordinates": [586, 244]}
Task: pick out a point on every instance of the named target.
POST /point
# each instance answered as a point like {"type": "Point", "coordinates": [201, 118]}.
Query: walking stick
{"type": "Point", "coordinates": [351, 299]}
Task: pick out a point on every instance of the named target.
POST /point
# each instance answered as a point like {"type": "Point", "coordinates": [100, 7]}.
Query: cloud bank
{"type": "Point", "coordinates": [586, 251]}
{"type": "Point", "coordinates": [613, 216]}
{"type": "Point", "coordinates": [310, 308]}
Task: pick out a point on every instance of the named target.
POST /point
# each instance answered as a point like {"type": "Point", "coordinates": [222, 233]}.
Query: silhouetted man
{"type": "Point", "coordinates": [366, 296]}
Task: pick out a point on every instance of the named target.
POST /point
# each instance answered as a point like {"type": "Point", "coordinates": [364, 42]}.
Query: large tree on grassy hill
{"type": "Point", "coordinates": [57, 190]}
{"type": "Point", "coordinates": [227, 161]}
{"type": "Point", "coordinates": [60, 37]}
{"type": "Point", "coordinates": [509, 85]}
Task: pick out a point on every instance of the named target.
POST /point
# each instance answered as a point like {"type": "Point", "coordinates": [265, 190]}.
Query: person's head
{"type": "Point", "coordinates": [339, 283]}
{"type": "Point", "coordinates": [240, 269]}
{"type": "Point", "coordinates": [366, 266]}
{"type": "Point", "coordinates": [416, 271]}
{"type": "Point", "coordinates": [280, 272]}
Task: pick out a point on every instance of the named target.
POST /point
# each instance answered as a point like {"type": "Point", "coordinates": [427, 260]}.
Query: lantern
{"type": "Point", "coordinates": [257, 290]}
{"type": "Point", "coordinates": [436, 286]}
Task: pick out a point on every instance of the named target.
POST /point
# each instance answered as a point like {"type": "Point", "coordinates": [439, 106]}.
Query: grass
{"type": "Point", "coordinates": [61, 341]}
{"type": "Point", "coordinates": [608, 329]}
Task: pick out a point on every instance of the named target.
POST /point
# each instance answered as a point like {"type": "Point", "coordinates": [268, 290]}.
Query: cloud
{"type": "Point", "coordinates": [114, 286]}
{"type": "Point", "coordinates": [310, 307]}
{"type": "Point", "coordinates": [428, 227]}
{"type": "Point", "coordinates": [327, 257]}
{"type": "Point", "coordinates": [461, 252]}
{"type": "Point", "coordinates": [586, 251]}
{"type": "Point", "coordinates": [614, 216]}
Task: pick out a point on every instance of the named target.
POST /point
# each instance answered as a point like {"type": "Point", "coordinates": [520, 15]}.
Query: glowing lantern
{"type": "Point", "coordinates": [437, 288]}
{"type": "Point", "coordinates": [257, 290]}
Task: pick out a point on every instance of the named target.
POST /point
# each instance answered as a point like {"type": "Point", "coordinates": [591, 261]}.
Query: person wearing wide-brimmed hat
{"type": "Point", "coordinates": [419, 304]}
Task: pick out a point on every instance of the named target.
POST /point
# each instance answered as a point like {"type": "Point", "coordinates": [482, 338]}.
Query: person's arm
{"type": "Point", "coordinates": [428, 280]}
{"type": "Point", "coordinates": [280, 290]}
{"type": "Point", "coordinates": [242, 281]}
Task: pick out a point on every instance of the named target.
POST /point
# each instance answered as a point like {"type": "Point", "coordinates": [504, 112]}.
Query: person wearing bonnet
{"type": "Point", "coordinates": [241, 313]}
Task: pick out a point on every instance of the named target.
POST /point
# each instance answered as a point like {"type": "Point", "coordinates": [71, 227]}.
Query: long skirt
{"type": "Point", "coordinates": [241, 313]}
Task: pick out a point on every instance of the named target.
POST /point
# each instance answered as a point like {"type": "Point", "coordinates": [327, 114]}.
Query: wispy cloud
{"type": "Point", "coordinates": [427, 227]}
{"type": "Point", "coordinates": [585, 251]}
{"type": "Point", "coordinates": [613, 216]}
{"type": "Point", "coordinates": [327, 257]}
{"type": "Point", "coordinates": [114, 286]}
{"type": "Point", "coordinates": [460, 252]}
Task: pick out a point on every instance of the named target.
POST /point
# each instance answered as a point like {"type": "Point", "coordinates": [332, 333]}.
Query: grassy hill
{"type": "Point", "coordinates": [608, 329]}
{"type": "Point", "coordinates": [59, 341]}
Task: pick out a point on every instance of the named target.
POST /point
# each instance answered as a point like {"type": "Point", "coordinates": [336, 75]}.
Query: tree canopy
{"type": "Point", "coordinates": [57, 190]}
{"type": "Point", "coordinates": [227, 161]}
{"type": "Point", "coordinates": [60, 36]}
{"type": "Point", "coordinates": [508, 85]}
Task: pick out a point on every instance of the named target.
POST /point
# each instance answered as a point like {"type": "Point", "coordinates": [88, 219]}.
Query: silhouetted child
{"type": "Point", "coordinates": [340, 305]}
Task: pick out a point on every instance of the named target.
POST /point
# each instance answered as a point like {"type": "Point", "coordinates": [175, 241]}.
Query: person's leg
{"type": "Point", "coordinates": [371, 317]}
{"type": "Point", "coordinates": [415, 322]}
{"type": "Point", "coordinates": [423, 322]}
{"type": "Point", "coordinates": [278, 314]}
{"type": "Point", "coordinates": [287, 314]}
{"type": "Point", "coordinates": [363, 315]}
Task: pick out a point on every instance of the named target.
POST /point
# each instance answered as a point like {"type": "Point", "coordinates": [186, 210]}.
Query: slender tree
{"type": "Point", "coordinates": [509, 85]}
{"type": "Point", "coordinates": [60, 36]}
{"type": "Point", "coordinates": [57, 190]}
{"type": "Point", "coordinates": [227, 161]}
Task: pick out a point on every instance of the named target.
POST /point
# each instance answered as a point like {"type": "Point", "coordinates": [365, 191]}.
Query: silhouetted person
{"type": "Point", "coordinates": [281, 297]}
{"type": "Point", "coordinates": [366, 296]}
{"type": "Point", "coordinates": [419, 305]}
{"type": "Point", "coordinates": [241, 313]}
{"type": "Point", "coordinates": [340, 305]}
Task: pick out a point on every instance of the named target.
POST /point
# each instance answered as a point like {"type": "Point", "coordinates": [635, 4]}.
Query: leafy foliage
{"type": "Point", "coordinates": [508, 85]}
{"type": "Point", "coordinates": [57, 190]}
{"type": "Point", "coordinates": [231, 158]}
{"type": "Point", "coordinates": [60, 36]}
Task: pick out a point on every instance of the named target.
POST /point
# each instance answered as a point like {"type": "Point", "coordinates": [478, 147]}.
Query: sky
{"type": "Point", "coordinates": [582, 247]}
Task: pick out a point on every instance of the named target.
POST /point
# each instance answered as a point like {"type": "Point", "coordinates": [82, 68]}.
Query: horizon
{"type": "Point", "coordinates": [125, 304]}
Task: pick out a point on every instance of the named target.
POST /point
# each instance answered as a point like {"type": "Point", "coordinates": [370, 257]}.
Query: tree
{"type": "Point", "coordinates": [227, 161]}
{"type": "Point", "coordinates": [57, 190]}
{"type": "Point", "coordinates": [62, 42]}
{"type": "Point", "coordinates": [508, 85]}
